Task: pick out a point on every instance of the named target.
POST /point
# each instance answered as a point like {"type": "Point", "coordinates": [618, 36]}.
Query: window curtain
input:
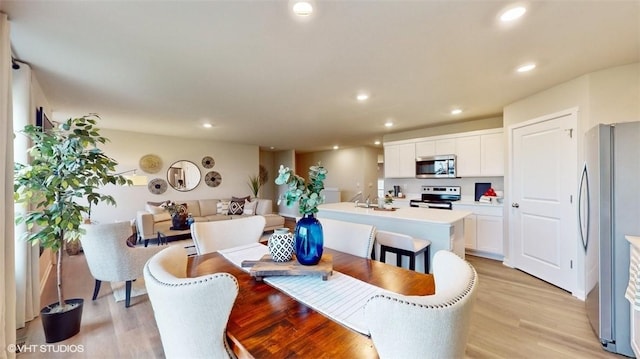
{"type": "Point", "coordinates": [26, 255]}
{"type": "Point", "coordinates": [7, 250]}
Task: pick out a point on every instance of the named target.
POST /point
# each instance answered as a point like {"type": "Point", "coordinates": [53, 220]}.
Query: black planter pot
{"type": "Point", "coordinates": [62, 325]}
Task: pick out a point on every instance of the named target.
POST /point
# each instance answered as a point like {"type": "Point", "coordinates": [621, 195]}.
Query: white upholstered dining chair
{"type": "Point", "coordinates": [348, 237]}
{"type": "Point", "coordinates": [110, 259]}
{"type": "Point", "coordinates": [432, 326]}
{"type": "Point", "coordinates": [191, 313]}
{"type": "Point", "coordinates": [216, 235]}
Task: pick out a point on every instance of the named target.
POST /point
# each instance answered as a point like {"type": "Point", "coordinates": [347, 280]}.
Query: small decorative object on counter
{"type": "Point", "coordinates": [281, 245]}
{"type": "Point", "coordinates": [388, 201]}
{"type": "Point", "coordinates": [190, 220]}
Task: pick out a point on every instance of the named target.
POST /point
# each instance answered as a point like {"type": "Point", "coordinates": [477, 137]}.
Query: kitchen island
{"type": "Point", "coordinates": [444, 228]}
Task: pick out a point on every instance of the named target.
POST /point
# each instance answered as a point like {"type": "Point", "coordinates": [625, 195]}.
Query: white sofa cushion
{"type": "Point", "coordinates": [208, 207]}
{"type": "Point", "coordinates": [193, 207]}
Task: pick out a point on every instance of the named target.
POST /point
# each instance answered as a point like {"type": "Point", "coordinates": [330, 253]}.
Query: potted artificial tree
{"type": "Point", "coordinates": [66, 170]}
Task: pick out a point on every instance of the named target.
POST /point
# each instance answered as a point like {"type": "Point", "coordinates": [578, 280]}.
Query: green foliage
{"type": "Point", "coordinates": [66, 165]}
{"type": "Point", "coordinates": [306, 194]}
{"type": "Point", "coordinates": [254, 184]}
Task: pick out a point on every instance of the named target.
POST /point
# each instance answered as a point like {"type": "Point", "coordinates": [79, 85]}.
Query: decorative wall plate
{"type": "Point", "coordinates": [157, 186]}
{"type": "Point", "coordinates": [150, 163]}
{"type": "Point", "coordinates": [208, 162]}
{"type": "Point", "coordinates": [213, 179]}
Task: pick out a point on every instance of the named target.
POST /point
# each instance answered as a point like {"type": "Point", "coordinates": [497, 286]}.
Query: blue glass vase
{"type": "Point", "coordinates": [309, 240]}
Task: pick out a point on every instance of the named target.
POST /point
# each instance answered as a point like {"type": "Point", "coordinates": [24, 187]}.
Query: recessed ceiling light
{"type": "Point", "coordinates": [376, 143]}
{"type": "Point", "coordinates": [207, 125]}
{"type": "Point", "coordinates": [513, 14]}
{"type": "Point", "coordinates": [456, 111]}
{"type": "Point", "coordinates": [302, 8]}
{"type": "Point", "coordinates": [335, 147]}
{"type": "Point", "coordinates": [362, 97]}
{"type": "Point", "coordinates": [526, 68]}
{"type": "Point", "coordinates": [388, 124]}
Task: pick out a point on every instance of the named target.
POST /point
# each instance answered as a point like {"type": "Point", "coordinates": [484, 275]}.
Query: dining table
{"type": "Point", "coordinates": [268, 323]}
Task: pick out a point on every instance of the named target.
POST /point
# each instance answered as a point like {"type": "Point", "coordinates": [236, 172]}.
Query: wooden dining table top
{"type": "Point", "coordinates": [267, 323]}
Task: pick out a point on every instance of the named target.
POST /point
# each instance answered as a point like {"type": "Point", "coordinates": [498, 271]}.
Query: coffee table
{"type": "Point", "coordinates": [162, 239]}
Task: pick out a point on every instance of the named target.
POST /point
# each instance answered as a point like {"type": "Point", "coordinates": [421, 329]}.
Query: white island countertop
{"type": "Point", "coordinates": [411, 213]}
{"type": "Point", "coordinates": [444, 228]}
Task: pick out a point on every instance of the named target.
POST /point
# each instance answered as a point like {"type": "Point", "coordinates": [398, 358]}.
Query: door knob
{"type": "Point", "coordinates": [515, 205]}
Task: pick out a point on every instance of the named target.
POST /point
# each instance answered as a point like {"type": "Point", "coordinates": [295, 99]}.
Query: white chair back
{"type": "Point", "coordinates": [352, 238]}
{"type": "Point", "coordinates": [109, 258]}
{"type": "Point", "coordinates": [216, 235]}
{"type": "Point", "coordinates": [433, 326]}
{"type": "Point", "coordinates": [191, 313]}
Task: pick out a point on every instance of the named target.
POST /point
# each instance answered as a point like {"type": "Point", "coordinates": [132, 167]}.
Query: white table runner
{"type": "Point", "coordinates": [340, 298]}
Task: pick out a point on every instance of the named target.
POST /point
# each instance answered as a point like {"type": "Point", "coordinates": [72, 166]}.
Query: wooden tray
{"type": "Point", "coordinates": [266, 267]}
{"type": "Point", "coordinates": [383, 209]}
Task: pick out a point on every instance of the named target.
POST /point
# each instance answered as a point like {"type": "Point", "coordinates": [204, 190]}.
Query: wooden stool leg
{"type": "Point", "coordinates": [398, 259]}
{"type": "Point", "coordinates": [412, 262]}
{"type": "Point", "coordinates": [383, 254]}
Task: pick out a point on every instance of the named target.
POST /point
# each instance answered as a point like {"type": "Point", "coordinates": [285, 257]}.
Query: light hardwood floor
{"type": "Point", "coordinates": [515, 316]}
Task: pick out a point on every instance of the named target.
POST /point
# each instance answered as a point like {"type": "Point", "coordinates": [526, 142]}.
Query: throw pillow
{"type": "Point", "coordinates": [236, 206]}
{"type": "Point", "coordinates": [153, 208]}
{"type": "Point", "coordinates": [223, 207]}
{"type": "Point", "coordinates": [250, 207]}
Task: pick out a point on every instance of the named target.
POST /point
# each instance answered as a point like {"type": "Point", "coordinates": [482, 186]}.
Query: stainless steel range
{"type": "Point", "coordinates": [440, 197]}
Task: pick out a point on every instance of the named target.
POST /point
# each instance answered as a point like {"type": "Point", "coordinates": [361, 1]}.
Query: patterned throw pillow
{"type": "Point", "coordinates": [223, 207]}
{"type": "Point", "coordinates": [236, 206]}
{"type": "Point", "coordinates": [250, 207]}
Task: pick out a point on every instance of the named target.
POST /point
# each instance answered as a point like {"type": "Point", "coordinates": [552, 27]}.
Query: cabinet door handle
{"type": "Point", "coordinates": [515, 205]}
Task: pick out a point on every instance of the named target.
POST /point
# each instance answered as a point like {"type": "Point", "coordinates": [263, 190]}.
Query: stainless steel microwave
{"type": "Point", "coordinates": [436, 167]}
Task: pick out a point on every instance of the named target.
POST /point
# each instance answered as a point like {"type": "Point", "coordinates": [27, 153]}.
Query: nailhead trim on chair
{"type": "Point", "coordinates": [195, 280]}
{"type": "Point", "coordinates": [446, 304]}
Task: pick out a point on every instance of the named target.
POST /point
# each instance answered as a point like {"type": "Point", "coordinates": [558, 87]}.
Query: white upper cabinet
{"type": "Point", "coordinates": [468, 156]}
{"type": "Point", "coordinates": [478, 153]}
{"type": "Point", "coordinates": [425, 148]}
{"type": "Point", "coordinates": [492, 153]}
{"type": "Point", "coordinates": [446, 147]}
{"type": "Point", "coordinates": [400, 161]}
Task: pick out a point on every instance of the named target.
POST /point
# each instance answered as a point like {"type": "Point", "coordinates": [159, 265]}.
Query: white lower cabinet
{"type": "Point", "coordinates": [483, 230]}
{"type": "Point", "coordinates": [489, 234]}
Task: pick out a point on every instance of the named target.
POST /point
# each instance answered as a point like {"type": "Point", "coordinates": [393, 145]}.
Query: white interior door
{"type": "Point", "coordinates": [543, 182]}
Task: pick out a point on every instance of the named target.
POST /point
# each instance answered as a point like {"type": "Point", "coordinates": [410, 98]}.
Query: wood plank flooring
{"type": "Point", "coordinates": [515, 316]}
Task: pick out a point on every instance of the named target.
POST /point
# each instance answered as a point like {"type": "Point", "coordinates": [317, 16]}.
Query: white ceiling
{"type": "Point", "coordinates": [262, 77]}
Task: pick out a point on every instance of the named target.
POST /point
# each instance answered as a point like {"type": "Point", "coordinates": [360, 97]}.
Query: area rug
{"type": "Point", "coordinates": [137, 289]}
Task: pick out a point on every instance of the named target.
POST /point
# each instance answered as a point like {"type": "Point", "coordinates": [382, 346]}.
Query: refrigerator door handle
{"type": "Point", "coordinates": [584, 230]}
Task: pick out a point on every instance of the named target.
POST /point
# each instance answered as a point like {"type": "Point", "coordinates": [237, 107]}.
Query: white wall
{"type": "Point", "coordinates": [235, 162]}
{"type": "Point", "coordinates": [607, 96]}
{"type": "Point", "coordinates": [350, 170]}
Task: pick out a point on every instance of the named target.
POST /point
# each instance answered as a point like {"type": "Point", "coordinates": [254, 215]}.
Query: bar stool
{"type": "Point", "coordinates": [403, 245]}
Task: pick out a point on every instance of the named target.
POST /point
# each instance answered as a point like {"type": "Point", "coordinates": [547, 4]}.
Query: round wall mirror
{"type": "Point", "coordinates": [183, 175]}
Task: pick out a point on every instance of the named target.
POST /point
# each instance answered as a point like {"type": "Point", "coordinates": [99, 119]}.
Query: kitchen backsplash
{"type": "Point", "coordinates": [412, 186]}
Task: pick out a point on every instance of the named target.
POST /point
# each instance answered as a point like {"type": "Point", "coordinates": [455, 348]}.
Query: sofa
{"type": "Point", "coordinates": [154, 219]}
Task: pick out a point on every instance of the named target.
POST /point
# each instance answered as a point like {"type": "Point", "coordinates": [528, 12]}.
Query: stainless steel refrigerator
{"type": "Point", "coordinates": [609, 209]}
